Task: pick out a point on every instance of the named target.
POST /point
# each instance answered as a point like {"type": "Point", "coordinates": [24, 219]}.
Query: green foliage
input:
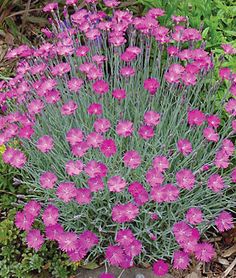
{"type": "Point", "coordinates": [16, 260]}
{"type": "Point", "coordinates": [216, 17]}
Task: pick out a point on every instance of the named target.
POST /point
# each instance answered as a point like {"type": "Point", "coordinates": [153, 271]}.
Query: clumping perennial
{"type": "Point", "coordinates": [126, 157]}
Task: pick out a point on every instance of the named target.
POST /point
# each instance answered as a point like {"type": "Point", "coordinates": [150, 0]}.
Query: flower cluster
{"type": "Point", "coordinates": [120, 139]}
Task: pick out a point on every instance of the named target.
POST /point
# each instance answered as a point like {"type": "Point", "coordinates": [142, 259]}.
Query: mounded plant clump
{"type": "Point", "coordinates": [122, 147]}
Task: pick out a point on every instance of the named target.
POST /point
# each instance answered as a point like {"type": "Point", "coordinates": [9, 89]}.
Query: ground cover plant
{"type": "Point", "coordinates": [121, 145]}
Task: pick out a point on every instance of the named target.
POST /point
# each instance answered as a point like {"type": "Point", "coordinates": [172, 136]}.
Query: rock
{"type": "Point", "coordinates": [129, 273]}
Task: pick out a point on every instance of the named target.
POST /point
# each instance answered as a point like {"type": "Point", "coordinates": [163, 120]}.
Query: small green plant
{"type": "Point", "coordinates": [16, 260]}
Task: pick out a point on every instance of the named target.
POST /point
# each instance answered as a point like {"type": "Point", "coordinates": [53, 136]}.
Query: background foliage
{"type": "Point", "coordinates": [20, 22]}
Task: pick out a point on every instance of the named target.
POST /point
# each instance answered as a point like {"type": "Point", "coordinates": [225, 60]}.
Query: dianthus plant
{"type": "Point", "coordinates": [126, 157]}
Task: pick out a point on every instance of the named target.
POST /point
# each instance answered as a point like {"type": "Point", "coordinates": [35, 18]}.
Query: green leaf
{"type": "Point", "coordinates": [90, 266]}
{"type": "Point", "coordinates": [205, 32]}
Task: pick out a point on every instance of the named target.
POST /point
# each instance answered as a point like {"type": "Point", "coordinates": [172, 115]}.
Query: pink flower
{"type": "Point", "coordinates": [66, 191]}
{"type": "Point", "coordinates": [158, 194]}
{"type": "Point", "coordinates": [74, 136]}
{"type": "Point", "coordinates": [196, 117]}
{"type": "Point", "coordinates": [224, 221]}
{"type": "Point", "coordinates": [185, 179]}
{"type": "Point", "coordinates": [94, 139]}
{"type": "Point", "coordinates": [24, 221]}
{"type": "Point", "coordinates": [177, 19]}
{"type": "Point", "coordinates": [102, 125]}
{"type": "Point", "coordinates": [210, 134]}
{"type": "Point", "coordinates": [95, 169]}
{"type": "Point", "coordinates": [117, 40]}
{"type": "Point", "coordinates": [94, 73]}
{"type": "Point", "coordinates": [160, 163]}
{"type": "Point", "coordinates": [71, 2]}
{"type": "Point", "coordinates": [116, 184]}
{"type": "Point", "coordinates": [176, 69]}
{"type": "Point", "coordinates": [230, 107]}
{"type": "Point", "coordinates": [35, 106]}
{"type": "Point", "coordinates": [95, 184]}
{"type": "Point", "coordinates": [170, 193]}
{"type": "Point", "coordinates": [234, 125]}
{"type": "Point", "coordinates": [204, 252]}
{"type": "Point", "coordinates": [119, 94]}
{"type": "Point", "coordinates": [133, 49]}
{"type": "Point", "coordinates": [213, 121]}
{"type": "Point", "coordinates": [83, 196]}
{"type": "Point", "coordinates": [171, 77]}
{"type": "Point", "coordinates": [53, 231]}
{"type": "Point", "coordinates": [34, 239]}
{"type": "Point", "coordinates": [225, 73]}
{"type": "Point", "coordinates": [127, 56]}
{"type": "Point", "coordinates": [188, 78]}
{"type": "Point", "coordinates": [139, 193]}
{"type": "Point", "coordinates": [48, 180]}
{"type": "Point", "coordinates": [146, 132]}
{"type": "Point", "coordinates": [8, 155]}
{"type": "Point", "coordinates": [154, 177]}
{"type": "Point", "coordinates": [172, 50]}
{"type": "Point", "coordinates": [46, 86]}
{"type": "Point", "coordinates": [79, 149]}
{"type": "Point", "coordinates": [67, 241]}
{"type": "Point", "coordinates": [184, 146]}
{"type": "Point", "coordinates": [127, 71]}
{"type": "Point", "coordinates": [114, 255]}
{"type": "Point", "coordinates": [132, 159]}
{"type": "Point", "coordinates": [228, 48]}
{"type": "Point", "coordinates": [233, 175]}
{"type": "Point", "coordinates": [78, 254]}
{"type": "Point", "coordinates": [69, 108]}
{"type": "Point", "coordinates": [134, 249]}
{"type": "Point", "coordinates": [151, 118]}
{"type": "Point", "coordinates": [50, 215]}
{"type": "Point", "coordinates": [215, 183]}
{"type": "Point", "coordinates": [100, 87]}
{"type": "Point", "coordinates": [74, 168]}
{"type": "Point", "coordinates": [111, 3]}
{"type": "Point", "coordinates": [60, 69]}
{"type": "Point", "coordinates": [181, 260]}
{"type": "Point", "coordinates": [108, 147]}
{"type": "Point", "coordinates": [160, 268]}
{"type": "Point", "coordinates": [194, 216]}
{"type": "Point", "coordinates": [86, 67]}
{"type": "Point", "coordinates": [99, 59]}
{"type": "Point", "coordinates": [228, 147]}
{"type": "Point", "coordinates": [17, 160]}
{"type": "Point", "coordinates": [183, 232]}
{"type": "Point", "coordinates": [124, 213]}
{"type": "Point", "coordinates": [125, 237]}
{"type": "Point", "coordinates": [88, 239]}
{"type": "Point", "coordinates": [151, 85]}
{"type": "Point", "coordinates": [33, 208]}
{"type": "Point", "coordinates": [221, 159]}
{"type": "Point", "coordinates": [233, 89]}
{"type": "Point", "coordinates": [52, 96]}
{"type": "Point", "coordinates": [124, 128]}
{"type": "Point", "coordinates": [50, 7]}
{"type": "Point", "coordinates": [45, 143]}
{"type": "Point", "coordinates": [92, 34]}
{"type": "Point", "coordinates": [82, 51]}
{"type": "Point", "coordinates": [95, 109]}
